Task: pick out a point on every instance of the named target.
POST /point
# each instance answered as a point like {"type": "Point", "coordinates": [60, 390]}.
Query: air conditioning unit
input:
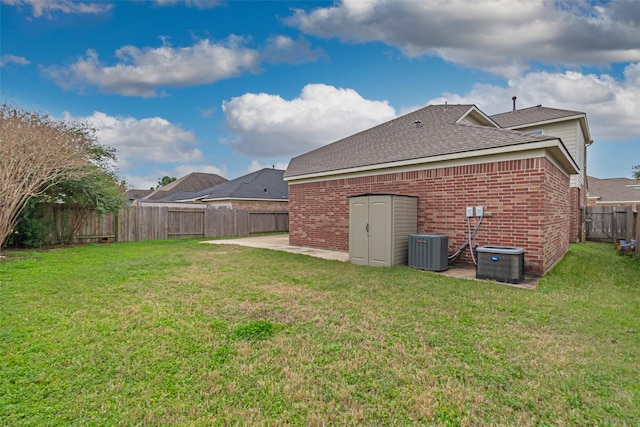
{"type": "Point", "coordinates": [429, 252]}
{"type": "Point", "coordinates": [503, 264]}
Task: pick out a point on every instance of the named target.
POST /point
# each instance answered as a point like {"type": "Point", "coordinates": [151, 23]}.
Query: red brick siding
{"type": "Point", "coordinates": [576, 204]}
{"type": "Point", "coordinates": [528, 200]}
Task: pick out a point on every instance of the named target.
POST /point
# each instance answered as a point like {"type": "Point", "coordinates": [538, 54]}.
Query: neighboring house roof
{"type": "Point", "coordinates": [433, 132]}
{"type": "Point", "coordinates": [137, 194]}
{"type": "Point", "coordinates": [264, 184]}
{"type": "Point", "coordinates": [195, 181]}
{"type": "Point", "coordinates": [613, 190]}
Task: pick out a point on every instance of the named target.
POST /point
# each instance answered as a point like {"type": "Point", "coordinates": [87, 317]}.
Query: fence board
{"type": "Point", "coordinates": [157, 222]}
{"type": "Point", "coordinates": [610, 223]}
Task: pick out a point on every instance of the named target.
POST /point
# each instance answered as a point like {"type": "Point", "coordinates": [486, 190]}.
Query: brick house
{"type": "Point", "coordinates": [264, 189]}
{"type": "Point", "coordinates": [449, 157]}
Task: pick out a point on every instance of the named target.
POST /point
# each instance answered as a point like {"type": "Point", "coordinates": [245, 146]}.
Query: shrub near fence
{"type": "Point", "coordinates": [157, 222]}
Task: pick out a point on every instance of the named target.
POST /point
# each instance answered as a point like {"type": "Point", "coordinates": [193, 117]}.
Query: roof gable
{"type": "Point", "coordinates": [432, 131]}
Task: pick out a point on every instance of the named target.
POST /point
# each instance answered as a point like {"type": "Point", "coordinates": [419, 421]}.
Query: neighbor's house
{"type": "Point", "coordinates": [449, 157]}
{"type": "Point", "coordinates": [613, 192]}
{"type": "Point", "coordinates": [195, 181]}
{"type": "Point", "coordinates": [264, 190]}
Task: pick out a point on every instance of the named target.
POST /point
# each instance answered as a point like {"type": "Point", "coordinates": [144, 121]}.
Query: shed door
{"type": "Point", "coordinates": [380, 231]}
{"type": "Point", "coordinates": [358, 235]}
{"type": "Point", "coordinates": [370, 230]}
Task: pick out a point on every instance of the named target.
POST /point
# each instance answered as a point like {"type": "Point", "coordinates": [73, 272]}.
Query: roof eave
{"type": "Point", "coordinates": [554, 146]}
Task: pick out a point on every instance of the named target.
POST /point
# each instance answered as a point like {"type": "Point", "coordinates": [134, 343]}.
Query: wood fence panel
{"type": "Point", "coordinates": [610, 223]}
{"type": "Point", "coordinates": [157, 222]}
{"type": "Point", "coordinates": [185, 223]}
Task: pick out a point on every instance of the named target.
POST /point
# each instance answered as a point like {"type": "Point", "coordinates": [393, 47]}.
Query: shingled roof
{"type": "Point", "coordinates": [263, 184]}
{"type": "Point", "coordinates": [195, 181]}
{"type": "Point", "coordinates": [430, 132]}
{"type": "Point", "coordinates": [537, 114]}
{"type": "Point", "coordinates": [614, 190]}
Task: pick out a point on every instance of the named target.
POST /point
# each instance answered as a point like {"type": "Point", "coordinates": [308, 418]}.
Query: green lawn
{"type": "Point", "coordinates": [181, 333]}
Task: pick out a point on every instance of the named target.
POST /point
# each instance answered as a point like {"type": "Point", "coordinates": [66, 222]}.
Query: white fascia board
{"type": "Point", "coordinates": [224, 199]}
{"type": "Point", "coordinates": [553, 149]}
{"type": "Point", "coordinates": [546, 122]}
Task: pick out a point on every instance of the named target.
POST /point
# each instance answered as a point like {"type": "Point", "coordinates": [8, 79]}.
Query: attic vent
{"type": "Point", "coordinates": [418, 124]}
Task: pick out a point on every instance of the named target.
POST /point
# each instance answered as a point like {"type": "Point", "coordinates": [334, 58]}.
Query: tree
{"type": "Point", "coordinates": [636, 172]}
{"type": "Point", "coordinates": [164, 181]}
{"type": "Point", "coordinates": [99, 192]}
{"type": "Point", "coordinates": [37, 153]}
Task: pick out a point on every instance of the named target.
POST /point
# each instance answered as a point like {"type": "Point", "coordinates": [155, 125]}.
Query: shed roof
{"type": "Point", "coordinates": [532, 115]}
{"type": "Point", "coordinates": [263, 184]}
{"type": "Point", "coordinates": [614, 190]}
{"type": "Point", "coordinates": [429, 132]}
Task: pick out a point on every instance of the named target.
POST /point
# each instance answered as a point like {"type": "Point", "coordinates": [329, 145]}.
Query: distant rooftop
{"type": "Point", "coordinates": [611, 190]}
{"type": "Point", "coordinates": [265, 183]}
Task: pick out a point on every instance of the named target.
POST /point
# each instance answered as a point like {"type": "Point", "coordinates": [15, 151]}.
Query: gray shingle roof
{"type": "Point", "coordinates": [401, 139]}
{"type": "Point", "coordinates": [531, 115]}
{"type": "Point", "coordinates": [614, 189]}
{"type": "Point", "coordinates": [195, 181]}
{"type": "Point", "coordinates": [266, 183]}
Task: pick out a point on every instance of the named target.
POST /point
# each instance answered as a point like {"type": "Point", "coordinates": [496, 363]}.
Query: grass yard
{"type": "Point", "coordinates": [180, 333]}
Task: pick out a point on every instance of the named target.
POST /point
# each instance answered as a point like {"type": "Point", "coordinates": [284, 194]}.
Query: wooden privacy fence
{"type": "Point", "coordinates": [611, 223]}
{"type": "Point", "coordinates": [139, 223]}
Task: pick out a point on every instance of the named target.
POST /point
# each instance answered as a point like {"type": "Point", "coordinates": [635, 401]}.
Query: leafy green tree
{"type": "Point", "coordinates": [164, 181]}
{"type": "Point", "coordinates": [31, 230]}
{"type": "Point", "coordinates": [636, 172]}
{"type": "Point", "coordinates": [43, 160]}
{"type": "Point", "coordinates": [99, 193]}
{"type": "Point", "coordinates": [36, 153]}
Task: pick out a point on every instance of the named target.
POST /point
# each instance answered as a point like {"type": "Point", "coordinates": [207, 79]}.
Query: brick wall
{"type": "Point", "coordinates": [528, 201]}
{"type": "Point", "coordinates": [259, 205]}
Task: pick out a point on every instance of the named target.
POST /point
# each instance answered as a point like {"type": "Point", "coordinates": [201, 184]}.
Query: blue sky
{"type": "Point", "coordinates": [179, 86]}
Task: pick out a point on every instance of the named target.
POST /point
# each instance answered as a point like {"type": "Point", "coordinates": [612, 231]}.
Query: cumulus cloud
{"type": "Point", "coordinates": [500, 36]}
{"type": "Point", "coordinates": [611, 105]}
{"type": "Point", "coordinates": [141, 71]}
{"type": "Point", "coordinates": [142, 141]}
{"type": "Point", "coordinates": [285, 49]}
{"type": "Point", "coordinates": [267, 125]}
{"type": "Point", "coordinates": [13, 59]}
{"type": "Point", "coordinates": [47, 7]}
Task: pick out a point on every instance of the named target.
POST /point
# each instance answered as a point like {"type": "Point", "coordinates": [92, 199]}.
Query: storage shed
{"type": "Point", "coordinates": [379, 228]}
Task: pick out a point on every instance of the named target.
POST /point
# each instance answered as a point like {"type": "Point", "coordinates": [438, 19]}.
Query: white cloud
{"type": "Point", "coordinates": [500, 36]}
{"type": "Point", "coordinates": [13, 59]}
{"type": "Point", "coordinates": [48, 7]}
{"type": "Point", "coordinates": [141, 71]}
{"type": "Point", "coordinates": [267, 125]}
{"type": "Point", "coordinates": [611, 105]}
{"type": "Point", "coordinates": [142, 141]}
{"type": "Point", "coordinates": [285, 49]}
